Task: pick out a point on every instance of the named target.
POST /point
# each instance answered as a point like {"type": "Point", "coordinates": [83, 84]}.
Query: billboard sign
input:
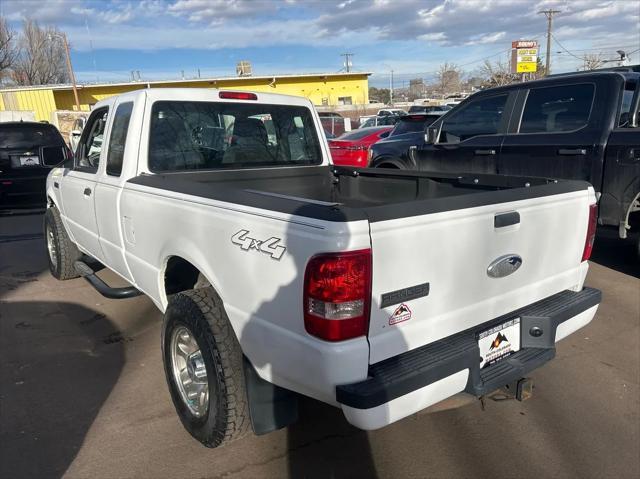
{"type": "Point", "coordinates": [524, 56]}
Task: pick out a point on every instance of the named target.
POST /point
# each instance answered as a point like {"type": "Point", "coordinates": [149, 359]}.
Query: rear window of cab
{"type": "Point", "coordinates": [191, 135]}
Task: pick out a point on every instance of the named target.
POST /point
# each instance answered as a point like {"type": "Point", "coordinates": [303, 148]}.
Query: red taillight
{"type": "Point", "coordinates": [237, 95]}
{"type": "Point", "coordinates": [337, 295]}
{"type": "Point", "coordinates": [591, 232]}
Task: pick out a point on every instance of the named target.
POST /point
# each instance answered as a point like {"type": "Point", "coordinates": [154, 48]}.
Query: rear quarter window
{"type": "Point", "coordinates": [118, 138]}
{"type": "Point", "coordinates": [557, 108]}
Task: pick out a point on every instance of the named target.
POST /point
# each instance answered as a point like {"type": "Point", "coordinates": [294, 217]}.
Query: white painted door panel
{"type": "Point", "coordinates": [77, 191]}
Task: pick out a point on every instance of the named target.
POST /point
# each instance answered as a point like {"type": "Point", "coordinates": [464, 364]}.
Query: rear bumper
{"type": "Point", "coordinates": [412, 381]}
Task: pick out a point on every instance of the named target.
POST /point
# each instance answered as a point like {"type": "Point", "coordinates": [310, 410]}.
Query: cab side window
{"type": "Point", "coordinates": [557, 109]}
{"type": "Point", "coordinates": [478, 117]}
{"type": "Point", "coordinates": [90, 146]}
{"type": "Point", "coordinates": [118, 138]}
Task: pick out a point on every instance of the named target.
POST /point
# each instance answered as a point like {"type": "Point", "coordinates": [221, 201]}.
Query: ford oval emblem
{"type": "Point", "coordinates": [504, 266]}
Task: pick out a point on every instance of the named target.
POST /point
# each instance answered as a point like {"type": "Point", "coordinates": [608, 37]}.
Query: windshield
{"type": "Point", "coordinates": [208, 135]}
{"type": "Point", "coordinates": [29, 136]}
{"type": "Point", "coordinates": [411, 125]}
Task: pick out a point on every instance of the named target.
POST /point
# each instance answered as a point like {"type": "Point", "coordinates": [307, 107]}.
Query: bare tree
{"type": "Point", "coordinates": [497, 74]}
{"type": "Point", "coordinates": [8, 48]}
{"type": "Point", "coordinates": [41, 58]}
{"type": "Point", "coordinates": [593, 61]}
{"type": "Point", "coordinates": [448, 78]}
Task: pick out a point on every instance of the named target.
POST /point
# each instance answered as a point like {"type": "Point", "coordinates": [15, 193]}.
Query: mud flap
{"type": "Point", "coordinates": [271, 407]}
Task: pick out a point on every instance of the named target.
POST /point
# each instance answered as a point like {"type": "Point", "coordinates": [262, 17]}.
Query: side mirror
{"type": "Point", "coordinates": [385, 134]}
{"type": "Point", "coordinates": [431, 135]}
{"type": "Point", "coordinates": [52, 155]}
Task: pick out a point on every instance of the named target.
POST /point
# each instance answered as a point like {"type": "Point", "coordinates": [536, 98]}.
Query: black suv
{"type": "Point", "coordinates": [23, 146]}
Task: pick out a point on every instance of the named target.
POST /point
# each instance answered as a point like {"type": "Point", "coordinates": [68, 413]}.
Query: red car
{"type": "Point", "coordinates": [351, 149]}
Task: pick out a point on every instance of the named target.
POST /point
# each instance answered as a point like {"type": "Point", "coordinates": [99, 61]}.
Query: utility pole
{"type": "Point", "coordinates": [391, 88]}
{"type": "Point", "coordinates": [347, 60]}
{"type": "Point", "coordinates": [549, 14]}
{"type": "Point", "coordinates": [69, 67]}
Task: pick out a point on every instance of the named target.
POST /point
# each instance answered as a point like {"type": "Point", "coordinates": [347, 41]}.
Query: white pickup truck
{"type": "Point", "coordinates": [380, 292]}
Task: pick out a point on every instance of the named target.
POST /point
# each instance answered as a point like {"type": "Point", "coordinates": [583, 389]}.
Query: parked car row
{"type": "Point", "coordinates": [355, 148]}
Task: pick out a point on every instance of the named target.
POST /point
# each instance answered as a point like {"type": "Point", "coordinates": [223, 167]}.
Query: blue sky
{"type": "Point", "coordinates": [412, 37]}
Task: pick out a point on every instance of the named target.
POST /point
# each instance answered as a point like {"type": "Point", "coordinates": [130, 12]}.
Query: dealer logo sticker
{"type": "Point", "coordinates": [498, 341]}
{"type": "Point", "coordinates": [402, 313]}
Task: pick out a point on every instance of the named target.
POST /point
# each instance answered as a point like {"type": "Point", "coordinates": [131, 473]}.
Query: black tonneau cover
{"type": "Point", "coordinates": [348, 194]}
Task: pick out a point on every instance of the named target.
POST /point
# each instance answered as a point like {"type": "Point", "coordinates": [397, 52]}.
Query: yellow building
{"type": "Point", "coordinates": [328, 89]}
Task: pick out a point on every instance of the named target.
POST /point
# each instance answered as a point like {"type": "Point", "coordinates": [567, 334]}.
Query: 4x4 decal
{"type": "Point", "coordinates": [269, 246]}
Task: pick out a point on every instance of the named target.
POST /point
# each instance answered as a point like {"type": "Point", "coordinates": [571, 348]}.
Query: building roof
{"type": "Point", "coordinates": [68, 86]}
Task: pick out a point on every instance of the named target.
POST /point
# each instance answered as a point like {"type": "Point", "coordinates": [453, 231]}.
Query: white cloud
{"type": "Point", "coordinates": [216, 11]}
{"type": "Point", "coordinates": [484, 39]}
{"type": "Point", "coordinates": [433, 37]}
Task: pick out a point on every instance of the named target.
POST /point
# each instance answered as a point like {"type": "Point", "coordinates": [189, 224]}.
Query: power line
{"type": "Point", "coordinates": [565, 49]}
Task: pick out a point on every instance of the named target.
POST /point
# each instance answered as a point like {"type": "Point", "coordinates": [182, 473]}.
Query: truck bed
{"type": "Point", "coordinates": [349, 194]}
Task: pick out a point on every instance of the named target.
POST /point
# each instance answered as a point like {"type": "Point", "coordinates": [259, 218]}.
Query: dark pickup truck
{"type": "Point", "coordinates": [576, 126]}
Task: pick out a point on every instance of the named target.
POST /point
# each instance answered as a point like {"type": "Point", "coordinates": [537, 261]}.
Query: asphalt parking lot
{"type": "Point", "coordinates": [83, 394]}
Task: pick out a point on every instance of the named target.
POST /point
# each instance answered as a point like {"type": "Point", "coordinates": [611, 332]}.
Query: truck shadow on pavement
{"type": "Point", "coordinates": [619, 255]}
{"type": "Point", "coordinates": [322, 444]}
{"type": "Point", "coordinates": [59, 363]}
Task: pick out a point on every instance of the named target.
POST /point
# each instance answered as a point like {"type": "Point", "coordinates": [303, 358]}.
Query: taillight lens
{"type": "Point", "coordinates": [337, 295]}
{"type": "Point", "coordinates": [591, 232]}
{"type": "Point", "coordinates": [237, 95]}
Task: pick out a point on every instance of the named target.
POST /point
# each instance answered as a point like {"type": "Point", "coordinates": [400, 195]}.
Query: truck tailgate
{"type": "Point", "coordinates": [430, 272]}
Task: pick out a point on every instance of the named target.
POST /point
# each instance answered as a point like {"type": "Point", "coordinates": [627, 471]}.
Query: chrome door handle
{"type": "Point", "coordinates": [485, 152]}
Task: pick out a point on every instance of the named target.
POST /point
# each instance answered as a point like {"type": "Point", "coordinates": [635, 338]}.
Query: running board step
{"type": "Point", "coordinates": [103, 288]}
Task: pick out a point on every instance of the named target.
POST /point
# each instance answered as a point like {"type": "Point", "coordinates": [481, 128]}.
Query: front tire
{"type": "Point", "coordinates": [61, 251]}
{"type": "Point", "coordinates": [203, 367]}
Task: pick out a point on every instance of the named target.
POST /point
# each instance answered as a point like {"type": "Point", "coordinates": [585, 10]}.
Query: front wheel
{"type": "Point", "coordinates": [203, 367]}
{"type": "Point", "coordinates": [61, 251]}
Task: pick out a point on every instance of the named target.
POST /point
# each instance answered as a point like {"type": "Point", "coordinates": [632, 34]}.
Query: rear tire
{"type": "Point", "coordinates": [197, 318]}
{"type": "Point", "coordinates": [61, 251]}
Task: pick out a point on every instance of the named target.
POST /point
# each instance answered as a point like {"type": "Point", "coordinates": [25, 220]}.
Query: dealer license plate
{"type": "Point", "coordinates": [28, 161]}
{"type": "Point", "coordinates": [499, 342]}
